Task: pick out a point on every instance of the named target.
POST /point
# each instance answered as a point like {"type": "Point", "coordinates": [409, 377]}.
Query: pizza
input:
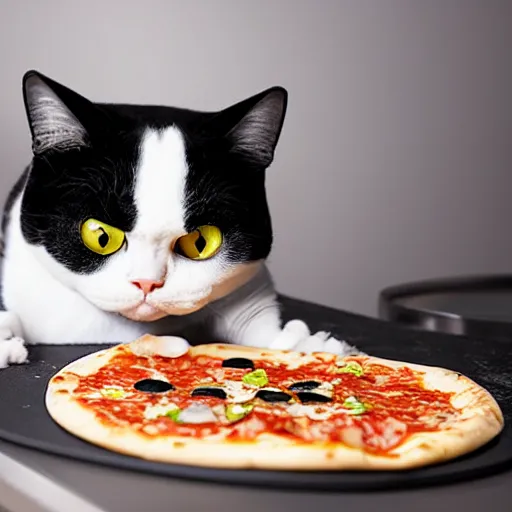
{"type": "Point", "coordinates": [228, 406]}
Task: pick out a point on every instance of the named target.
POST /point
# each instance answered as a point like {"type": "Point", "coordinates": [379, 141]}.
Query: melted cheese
{"type": "Point", "coordinates": [155, 374]}
{"type": "Point", "coordinates": [196, 414]}
{"type": "Point", "coordinates": [238, 409]}
{"type": "Point", "coordinates": [325, 389]}
{"type": "Point", "coordinates": [314, 412]}
{"type": "Point", "coordinates": [155, 411]}
{"type": "Point", "coordinates": [239, 392]}
{"type": "Point", "coordinates": [392, 432]}
{"type": "Point", "coordinates": [114, 392]}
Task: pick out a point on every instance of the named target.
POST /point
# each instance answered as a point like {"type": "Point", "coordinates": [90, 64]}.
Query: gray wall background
{"type": "Point", "coordinates": [395, 162]}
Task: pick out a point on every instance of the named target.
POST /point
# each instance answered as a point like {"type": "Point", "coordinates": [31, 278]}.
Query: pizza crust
{"type": "Point", "coordinates": [481, 421]}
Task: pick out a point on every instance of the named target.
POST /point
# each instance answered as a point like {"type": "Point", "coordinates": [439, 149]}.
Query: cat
{"type": "Point", "coordinates": [134, 219]}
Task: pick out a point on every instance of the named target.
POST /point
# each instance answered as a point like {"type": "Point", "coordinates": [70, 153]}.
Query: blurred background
{"type": "Point", "coordinates": [395, 162]}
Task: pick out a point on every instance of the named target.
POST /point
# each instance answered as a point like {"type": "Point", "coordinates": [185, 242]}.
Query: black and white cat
{"type": "Point", "coordinates": [134, 219]}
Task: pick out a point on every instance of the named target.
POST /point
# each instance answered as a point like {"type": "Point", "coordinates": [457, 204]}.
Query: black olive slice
{"type": "Point", "coordinates": [216, 392]}
{"type": "Point", "coordinates": [273, 396]}
{"type": "Point", "coordinates": [238, 362]}
{"type": "Point", "coordinates": [153, 386]}
{"type": "Point", "coordinates": [305, 385]}
{"type": "Point", "coordinates": [307, 396]}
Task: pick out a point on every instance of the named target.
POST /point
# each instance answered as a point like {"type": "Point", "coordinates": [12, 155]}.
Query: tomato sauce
{"type": "Point", "coordinates": [398, 404]}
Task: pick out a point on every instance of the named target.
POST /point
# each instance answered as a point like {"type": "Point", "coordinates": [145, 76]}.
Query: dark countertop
{"type": "Point", "coordinates": [32, 480]}
{"type": "Point", "coordinates": [69, 486]}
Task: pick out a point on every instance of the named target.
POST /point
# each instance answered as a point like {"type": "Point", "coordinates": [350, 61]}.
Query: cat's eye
{"type": "Point", "coordinates": [101, 238]}
{"type": "Point", "coordinates": [201, 244]}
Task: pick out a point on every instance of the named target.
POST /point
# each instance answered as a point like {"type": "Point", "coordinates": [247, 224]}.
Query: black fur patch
{"type": "Point", "coordinates": [224, 187]}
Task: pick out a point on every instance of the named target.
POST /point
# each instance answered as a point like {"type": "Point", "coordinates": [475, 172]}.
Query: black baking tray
{"type": "Point", "coordinates": [24, 420]}
{"type": "Point", "coordinates": [478, 305]}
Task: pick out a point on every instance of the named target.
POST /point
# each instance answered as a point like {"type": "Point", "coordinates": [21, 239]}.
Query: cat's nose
{"type": "Point", "coordinates": [147, 285]}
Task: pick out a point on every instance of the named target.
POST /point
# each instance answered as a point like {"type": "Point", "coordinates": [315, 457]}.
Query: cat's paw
{"type": "Point", "coordinates": [324, 342]}
{"type": "Point", "coordinates": [296, 335]}
{"type": "Point", "coordinates": [291, 334]}
{"type": "Point", "coordinates": [12, 351]}
{"type": "Point", "coordinates": [12, 346]}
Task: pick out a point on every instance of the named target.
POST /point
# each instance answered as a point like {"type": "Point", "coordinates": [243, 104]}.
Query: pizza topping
{"type": "Point", "coordinates": [315, 401]}
{"type": "Point", "coordinates": [155, 374]}
{"type": "Point", "coordinates": [270, 395]}
{"type": "Point", "coordinates": [238, 391]}
{"type": "Point", "coordinates": [352, 436]}
{"type": "Point", "coordinates": [249, 428]}
{"type": "Point", "coordinates": [114, 392]}
{"type": "Point", "coordinates": [310, 431]}
{"type": "Point", "coordinates": [174, 415]}
{"type": "Point", "coordinates": [256, 378]}
{"type": "Point", "coordinates": [311, 411]}
{"type": "Point", "coordinates": [236, 412]}
{"type": "Point", "coordinates": [437, 418]}
{"type": "Point", "coordinates": [355, 406]}
{"type": "Point", "coordinates": [380, 380]}
{"type": "Point", "coordinates": [153, 386]}
{"type": "Point", "coordinates": [215, 391]}
{"type": "Point", "coordinates": [384, 435]}
{"type": "Point", "coordinates": [326, 389]}
{"type": "Point", "coordinates": [238, 362]}
{"type": "Point", "coordinates": [217, 374]}
{"type": "Point", "coordinates": [306, 385]}
{"type": "Point", "coordinates": [307, 396]}
{"type": "Point", "coordinates": [351, 367]}
{"type": "Point", "coordinates": [155, 411]}
{"type": "Point", "coordinates": [196, 413]}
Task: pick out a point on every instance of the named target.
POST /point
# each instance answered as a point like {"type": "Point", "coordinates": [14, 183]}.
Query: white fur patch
{"type": "Point", "coordinates": [160, 186]}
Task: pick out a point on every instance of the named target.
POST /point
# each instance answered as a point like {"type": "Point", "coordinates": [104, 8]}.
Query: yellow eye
{"type": "Point", "coordinates": [100, 237]}
{"type": "Point", "coordinates": [201, 244]}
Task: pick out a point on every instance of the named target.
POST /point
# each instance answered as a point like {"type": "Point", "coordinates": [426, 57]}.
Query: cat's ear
{"type": "Point", "coordinates": [53, 113]}
{"type": "Point", "coordinates": [256, 125]}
